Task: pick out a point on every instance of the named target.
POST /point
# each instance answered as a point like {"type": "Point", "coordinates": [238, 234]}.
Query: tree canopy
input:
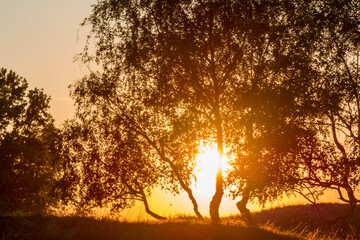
{"type": "Point", "coordinates": [212, 58]}
{"type": "Point", "coordinates": [28, 147]}
{"type": "Point", "coordinates": [119, 137]}
{"type": "Point", "coordinates": [267, 81]}
{"type": "Point", "coordinates": [330, 160]}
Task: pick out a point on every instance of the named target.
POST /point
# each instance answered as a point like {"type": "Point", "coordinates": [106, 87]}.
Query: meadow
{"type": "Point", "coordinates": [292, 222]}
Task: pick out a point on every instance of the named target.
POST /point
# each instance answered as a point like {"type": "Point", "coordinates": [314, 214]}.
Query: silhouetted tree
{"type": "Point", "coordinates": [246, 69]}
{"type": "Point", "coordinates": [191, 51]}
{"type": "Point", "coordinates": [331, 159]}
{"type": "Point", "coordinates": [204, 56]}
{"type": "Point", "coordinates": [272, 107]}
{"type": "Point", "coordinates": [303, 129]}
{"type": "Point", "coordinates": [106, 171]}
{"type": "Point", "coordinates": [122, 147]}
{"type": "Point", "coordinates": [29, 145]}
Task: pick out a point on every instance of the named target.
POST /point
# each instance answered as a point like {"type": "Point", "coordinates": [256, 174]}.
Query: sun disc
{"type": "Point", "coordinates": [207, 166]}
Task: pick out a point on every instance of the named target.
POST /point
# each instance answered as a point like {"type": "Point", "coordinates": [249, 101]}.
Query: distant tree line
{"type": "Point", "coordinates": [274, 84]}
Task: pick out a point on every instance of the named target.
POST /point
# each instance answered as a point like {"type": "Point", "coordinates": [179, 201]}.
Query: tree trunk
{"type": "Point", "coordinates": [216, 199]}
{"type": "Point", "coordinates": [178, 176]}
{"type": "Point", "coordinates": [148, 211]}
{"type": "Point", "coordinates": [186, 188]}
{"type": "Point", "coordinates": [352, 205]}
{"type": "Point", "coordinates": [241, 205]}
{"type": "Point", "coordinates": [351, 211]}
{"type": "Point", "coordinates": [219, 192]}
{"type": "Point", "coordinates": [194, 203]}
{"type": "Point", "coordinates": [143, 198]}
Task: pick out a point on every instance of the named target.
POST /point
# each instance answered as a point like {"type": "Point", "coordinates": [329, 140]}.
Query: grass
{"type": "Point", "coordinates": [295, 222]}
{"type": "Point", "coordinates": [37, 227]}
{"type": "Point", "coordinates": [303, 220]}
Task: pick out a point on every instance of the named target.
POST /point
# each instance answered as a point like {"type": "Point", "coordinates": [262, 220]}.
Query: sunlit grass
{"type": "Point", "coordinates": [90, 228]}
{"type": "Point", "coordinates": [292, 222]}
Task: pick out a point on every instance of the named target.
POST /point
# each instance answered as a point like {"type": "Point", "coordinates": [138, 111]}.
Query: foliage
{"type": "Point", "coordinates": [270, 112]}
{"type": "Point", "coordinates": [273, 83]}
{"type": "Point", "coordinates": [119, 148]}
{"type": "Point", "coordinates": [28, 147]}
{"type": "Point", "coordinates": [212, 58]}
{"type": "Point", "coordinates": [303, 126]}
{"type": "Point", "coordinates": [330, 161]}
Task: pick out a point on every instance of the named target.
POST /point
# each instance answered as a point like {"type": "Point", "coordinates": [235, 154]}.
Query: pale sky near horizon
{"type": "Point", "coordinates": [39, 40]}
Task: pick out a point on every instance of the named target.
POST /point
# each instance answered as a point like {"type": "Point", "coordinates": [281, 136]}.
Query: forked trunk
{"type": "Point", "coordinates": [241, 205]}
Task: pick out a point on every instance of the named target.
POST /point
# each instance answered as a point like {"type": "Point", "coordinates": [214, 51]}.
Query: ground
{"type": "Point", "coordinates": [295, 222]}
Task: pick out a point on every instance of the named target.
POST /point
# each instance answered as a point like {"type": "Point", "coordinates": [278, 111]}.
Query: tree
{"type": "Point", "coordinates": [247, 70]}
{"type": "Point", "coordinates": [206, 57]}
{"type": "Point", "coordinates": [187, 50]}
{"type": "Point", "coordinates": [114, 174]}
{"type": "Point", "coordinates": [28, 147]}
{"type": "Point", "coordinates": [330, 160]}
{"type": "Point", "coordinates": [316, 118]}
{"type": "Point", "coordinates": [119, 148]}
{"type": "Point", "coordinates": [270, 112]}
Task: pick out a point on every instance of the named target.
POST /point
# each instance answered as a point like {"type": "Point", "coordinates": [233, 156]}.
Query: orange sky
{"type": "Point", "coordinates": [39, 39]}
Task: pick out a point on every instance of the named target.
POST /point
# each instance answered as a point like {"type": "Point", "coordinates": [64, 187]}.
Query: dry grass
{"type": "Point", "coordinates": [303, 221]}
{"type": "Point", "coordinates": [89, 228]}
{"type": "Point", "coordinates": [295, 222]}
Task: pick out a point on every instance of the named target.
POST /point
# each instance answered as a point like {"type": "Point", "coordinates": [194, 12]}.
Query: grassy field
{"type": "Point", "coordinates": [304, 221]}
{"type": "Point", "coordinates": [296, 222]}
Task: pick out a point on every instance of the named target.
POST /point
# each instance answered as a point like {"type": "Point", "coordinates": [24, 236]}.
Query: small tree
{"type": "Point", "coordinates": [29, 146]}
{"type": "Point", "coordinates": [120, 138]}
{"type": "Point", "coordinates": [106, 170]}
{"type": "Point", "coordinates": [271, 107]}
{"type": "Point", "coordinates": [331, 160]}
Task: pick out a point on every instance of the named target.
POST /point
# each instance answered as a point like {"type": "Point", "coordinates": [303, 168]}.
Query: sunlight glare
{"type": "Point", "coordinates": [207, 164]}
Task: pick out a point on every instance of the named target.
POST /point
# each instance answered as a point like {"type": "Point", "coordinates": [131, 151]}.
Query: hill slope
{"type": "Point", "coordinates": [305, 220]}
{"type": "Point", "coordinates": [86, 228]}
{"type": "Point", "coordinates": [278, 223]}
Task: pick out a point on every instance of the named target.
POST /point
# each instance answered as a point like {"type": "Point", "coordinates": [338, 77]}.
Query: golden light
{"type": "Point", "coordinates": [207, 165]}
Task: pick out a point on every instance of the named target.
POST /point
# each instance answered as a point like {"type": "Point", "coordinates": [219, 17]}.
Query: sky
{"type": "Point", "coordinates": [39, 40]}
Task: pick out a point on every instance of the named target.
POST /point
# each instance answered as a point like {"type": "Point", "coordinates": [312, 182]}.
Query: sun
{"type": "Point", "coordinates": [207, 165]}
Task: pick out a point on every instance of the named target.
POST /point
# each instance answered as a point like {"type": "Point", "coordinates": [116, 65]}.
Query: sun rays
{"type": "Point", "coordinates": [207, 165]}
